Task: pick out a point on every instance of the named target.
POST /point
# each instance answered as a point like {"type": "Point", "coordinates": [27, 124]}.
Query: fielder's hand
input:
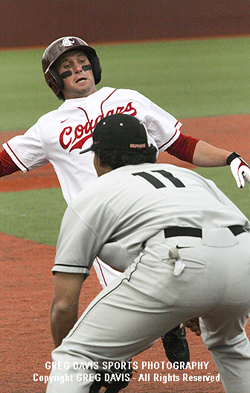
{"type": "Point", "coordinates": [193, 325]}
{"type": "Point", "coordinates": [240, 169]}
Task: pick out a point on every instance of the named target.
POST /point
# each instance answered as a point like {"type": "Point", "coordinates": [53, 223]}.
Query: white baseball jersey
{"type": "Point", "coordinates": [60, 135]}
{"type": "Point", "coordinates": [137, 202]}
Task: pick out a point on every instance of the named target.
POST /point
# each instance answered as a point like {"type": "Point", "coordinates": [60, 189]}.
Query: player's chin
{"type": "Point", "coordinates": [84, 88]}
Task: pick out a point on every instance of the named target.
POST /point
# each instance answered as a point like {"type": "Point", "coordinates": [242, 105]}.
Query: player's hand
{"type": "Point", "coordinates": [193, 325]}
{"type": "Point", "coordinates": [240, 169]}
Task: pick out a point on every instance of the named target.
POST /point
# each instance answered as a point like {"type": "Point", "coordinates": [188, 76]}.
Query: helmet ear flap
{"type": "Point", "coordinates": [96, 67]}
{"type": "Point", "coordinates": [57, 78]}
{"type": "Point", "coordinates": [55, 82]}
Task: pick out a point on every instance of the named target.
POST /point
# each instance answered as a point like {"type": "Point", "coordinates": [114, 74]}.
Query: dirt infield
{"type": "Point", "coordinates": [27, 288]}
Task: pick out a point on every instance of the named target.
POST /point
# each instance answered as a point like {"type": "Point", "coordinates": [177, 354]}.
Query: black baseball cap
{"type": "Point", "coordinates": [119, 132]}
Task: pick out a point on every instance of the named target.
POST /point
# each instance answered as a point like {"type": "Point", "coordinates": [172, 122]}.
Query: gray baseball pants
{"type": "Point", "coordinates": [147, 300]}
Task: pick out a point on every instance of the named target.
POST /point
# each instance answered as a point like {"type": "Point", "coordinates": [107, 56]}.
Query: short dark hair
{"type": "Point", "coordinates": [116, 159]}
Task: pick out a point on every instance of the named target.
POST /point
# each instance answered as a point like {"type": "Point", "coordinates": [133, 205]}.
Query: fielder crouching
{"type": "Point", "coordinates": [183, 248]}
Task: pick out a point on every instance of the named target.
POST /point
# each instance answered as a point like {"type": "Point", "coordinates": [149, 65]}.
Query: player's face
{"type": "Point", "coordinates": [76, 72]}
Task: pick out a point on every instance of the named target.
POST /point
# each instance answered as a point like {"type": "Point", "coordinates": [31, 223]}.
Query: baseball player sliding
{"type": "Point", "coordinates": [72, 70]}
{"type": "Point", "coordinates": [183, 246]}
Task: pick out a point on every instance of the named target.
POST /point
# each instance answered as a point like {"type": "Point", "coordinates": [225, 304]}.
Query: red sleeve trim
{"type": "Point", "coordinates": [16, 157]}
{"type": "Point", "coordinates": [183, 148]}
{"type": "Point", "coordinates": [162, 146]}
{"type": "Point", "coordinates": [7, 166]}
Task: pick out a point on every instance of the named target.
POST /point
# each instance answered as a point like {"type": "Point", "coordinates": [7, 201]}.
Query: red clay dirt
{"type": "Point", "coordinates": [27, 289]}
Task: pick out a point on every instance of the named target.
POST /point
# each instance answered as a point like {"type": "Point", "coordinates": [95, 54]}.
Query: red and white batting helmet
{"type": "Point", "coordinates": [55, 50]}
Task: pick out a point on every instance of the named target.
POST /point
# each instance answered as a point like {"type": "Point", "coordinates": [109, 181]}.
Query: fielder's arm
{"type": "Point", "coordinates": [64, 309]}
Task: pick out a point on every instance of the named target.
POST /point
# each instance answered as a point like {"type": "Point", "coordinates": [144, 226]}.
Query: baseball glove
{"type": "Point", "coordinates": [113, 380]}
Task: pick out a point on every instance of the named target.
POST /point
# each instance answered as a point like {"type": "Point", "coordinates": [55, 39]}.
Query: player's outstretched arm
{"type": "Point", "coordinates": [7, 166]}
{"type": "Point", "coordinates": [203, 154]}
{"type": "Point", "coordinates": [210, 156]}
{"type": "Point", "coordinates": [206, 155]}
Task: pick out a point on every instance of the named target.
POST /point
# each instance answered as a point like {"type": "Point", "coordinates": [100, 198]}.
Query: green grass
{"type": "Point", "coordinates": [189, 78]}
{"type": "Point", "coordinates": [225, 181]}
{"type": "Point", "coordinates": [24, 95]}
{"type": "Point", "coordinates": [34, 215]}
